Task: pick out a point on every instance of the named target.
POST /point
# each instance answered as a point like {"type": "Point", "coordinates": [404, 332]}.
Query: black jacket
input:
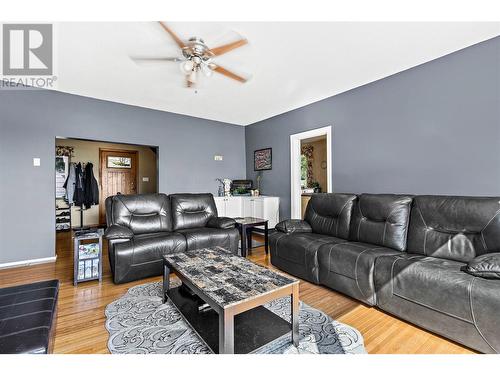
{"type": "Point", "coordinates": [78, 196]}
{"type": "Point", "coordinates": [90, 187]}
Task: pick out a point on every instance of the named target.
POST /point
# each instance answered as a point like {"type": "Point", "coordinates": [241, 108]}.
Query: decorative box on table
{"type": "Point", "coordinates": [87, 249]}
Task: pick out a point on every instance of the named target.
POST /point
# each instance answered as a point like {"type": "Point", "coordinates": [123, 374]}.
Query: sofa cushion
{"type": "Point", "coordinates": [436, 295]}
{"type": "Point", "coordinates": [192, 210]}
{"type": "Point", "coordinates": [330, 214]}
{"type": "Point", "coordinates": [152, 246]}
{"type": "Point", "coordinates": [296, 253]}
{"type": "Point", "coordinates": [142, 256]}
{"type": "Point", "coordinates": [486, 266]}
{"type": "Point", "coordinates": [381, 219]}
{"type": "Point", "coordinates": [348, 267]}
{"type": "Point", "coordinates": [425, 280]}
{"type": "Point", "coordinates": [199, 238]}
{"type": "Point", "coordinates": [142, 213]}
{"type": "Point", "coordinates": [456, 228]}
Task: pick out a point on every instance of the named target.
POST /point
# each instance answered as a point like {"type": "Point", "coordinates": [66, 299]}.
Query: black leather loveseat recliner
{"type": "Point", "coordinates": [405, 254]}
{"type": "Point", "coordinates": [143, 228]}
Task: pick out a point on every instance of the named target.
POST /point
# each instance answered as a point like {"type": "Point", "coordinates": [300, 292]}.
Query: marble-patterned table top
{"type": "Point", "coordinates": [224, 277]}
{"type": "Point", "coordinates": [249, 220]}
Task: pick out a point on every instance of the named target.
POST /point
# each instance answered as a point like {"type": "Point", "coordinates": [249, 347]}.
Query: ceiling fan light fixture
{"type": "Point", "coordinates": [187, 66]}
{"type": "Point", "coordinates": [206, 70]}
{"type": "Point", "coordinates": [192, 77]}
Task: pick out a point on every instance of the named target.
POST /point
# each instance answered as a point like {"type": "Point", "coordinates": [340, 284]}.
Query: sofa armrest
{"type": "Point", "coordinates": [115, 232]}
{"type": "Point", "coordinates": [221, 223]}
{"type": "Point", "coordinates": [293, 226]}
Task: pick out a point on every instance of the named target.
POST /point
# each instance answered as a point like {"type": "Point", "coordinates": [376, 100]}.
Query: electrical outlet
{"type": "Point", "coordinates": [218, 157]}
{"type": "Point", "coordinates": [36, 162]}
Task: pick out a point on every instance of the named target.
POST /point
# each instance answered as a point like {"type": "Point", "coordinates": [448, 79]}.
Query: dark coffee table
{"type": "Point", "coordinates": [247, 225]}
{"type": "Point", "coordinates": [235, 289]}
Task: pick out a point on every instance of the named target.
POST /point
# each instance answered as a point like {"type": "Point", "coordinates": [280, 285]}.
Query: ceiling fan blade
{"type": "Point", "coordinates": [174, 36]}
{"type": "Point", "coordinates": [217, 51]}
{"type": "Point", "coordinates": [227, 73]}
{"type": "Point", "coordinates": [155, 59]}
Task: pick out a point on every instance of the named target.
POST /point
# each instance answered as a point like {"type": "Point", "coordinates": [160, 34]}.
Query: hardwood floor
{"type": "Point", "coordinates": [80, 318]}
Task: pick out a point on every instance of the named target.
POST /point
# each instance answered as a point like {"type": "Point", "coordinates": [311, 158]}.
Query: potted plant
{"type": "Point", "coordinates": [316, 186]}
{"type": "Point", "coordinates": [241, 191]}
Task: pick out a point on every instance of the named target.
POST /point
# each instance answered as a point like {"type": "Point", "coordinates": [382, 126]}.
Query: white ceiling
{"type": "Point", "coordinates": [292, 64]}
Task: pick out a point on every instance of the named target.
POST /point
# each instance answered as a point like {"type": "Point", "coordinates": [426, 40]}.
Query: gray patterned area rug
{"type": "Point", "coordinates": [139, 322]}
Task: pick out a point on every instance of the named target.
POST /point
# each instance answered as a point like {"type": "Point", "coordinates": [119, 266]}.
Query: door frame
{"type": "Point", "coordinates": [102, 208]}
{"type": "Point", "coordinates": [295, 188]}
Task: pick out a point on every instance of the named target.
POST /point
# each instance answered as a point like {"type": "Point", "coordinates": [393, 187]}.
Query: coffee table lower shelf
{"type": "Point", "coordinates": [252, 329]}
{"type": "Point", "coordinates": [235, 329]}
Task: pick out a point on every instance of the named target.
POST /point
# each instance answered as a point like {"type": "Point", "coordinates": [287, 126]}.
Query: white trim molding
{"type": "Point", "coordinates": [29, 262]}
{"type": "Point", "coordinates": [295, 188]}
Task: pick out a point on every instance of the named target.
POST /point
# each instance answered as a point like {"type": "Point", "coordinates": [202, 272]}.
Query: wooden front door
{"type": "Point", "coordinates": [118, 174]}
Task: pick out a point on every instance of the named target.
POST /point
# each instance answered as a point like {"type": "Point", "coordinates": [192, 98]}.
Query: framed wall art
{"type": "Point", "coordinates": [263, 159]}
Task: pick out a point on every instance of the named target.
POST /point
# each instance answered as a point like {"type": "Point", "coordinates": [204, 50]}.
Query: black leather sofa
{"type": "Point", "coordinates": [143, 228]}
{"type": "Point", "coordinates": [404, 254]}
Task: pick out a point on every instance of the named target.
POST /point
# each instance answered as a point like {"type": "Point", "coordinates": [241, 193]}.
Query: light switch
{"type": "Point", "coordinates": [36, 162]}
{"type": "Point", "coordinates": [145, 179]}
{"type": "Point", "coordinates": [218, 157]}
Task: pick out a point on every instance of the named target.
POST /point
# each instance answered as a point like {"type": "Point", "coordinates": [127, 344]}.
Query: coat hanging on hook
{"type": "Point", "coordinates": [90, 187]}
{"type": "Point", "coordinates": [81, 185]}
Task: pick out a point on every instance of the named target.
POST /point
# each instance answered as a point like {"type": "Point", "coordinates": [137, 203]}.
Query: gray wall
{"type": "Point", "coordinates": [432, 129]}
{"type": "Point", "coordinates": [30, 121]}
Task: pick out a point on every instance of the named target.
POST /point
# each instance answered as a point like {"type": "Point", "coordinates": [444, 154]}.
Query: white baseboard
{"type": "Point", "coordinates": [29, 262]}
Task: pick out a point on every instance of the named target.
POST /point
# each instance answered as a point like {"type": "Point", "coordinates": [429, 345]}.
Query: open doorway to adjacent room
{"type": "Point", "coordinates": [103, 169]}
{"type": "Point", "coordinates": [310, 158]}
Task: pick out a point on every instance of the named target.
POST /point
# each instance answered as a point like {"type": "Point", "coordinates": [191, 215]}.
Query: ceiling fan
{"type": "Point", "coordinates": [197, 57]}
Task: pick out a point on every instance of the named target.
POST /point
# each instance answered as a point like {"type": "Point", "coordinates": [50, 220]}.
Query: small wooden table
{"type": "Point", "coordinates": [231, 285]}
{"type": "Point", "coordinates": [247, 225]}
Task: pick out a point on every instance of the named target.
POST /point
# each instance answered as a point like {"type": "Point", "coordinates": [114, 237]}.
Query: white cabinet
{"type": "Point", "coordinates": [233, 207]}
{"type": "Point", "coordinates": [221, 206]}
{"type": "Point", "coordinates": [254, 207]}
{"type": "Point", "coordinates": [263, 207]}
{"type": "Point", "coordinates": [247, 207]}
{"type": "Point", "coordinates": [228, 206]}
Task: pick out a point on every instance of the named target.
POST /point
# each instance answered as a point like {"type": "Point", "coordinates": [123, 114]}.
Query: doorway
{"type": "Point", "coordinates": [116, 167]}
{"type": "Point", "coordinates": [311, 167]}
{"type": "Point", "coordinates": [118, 175]}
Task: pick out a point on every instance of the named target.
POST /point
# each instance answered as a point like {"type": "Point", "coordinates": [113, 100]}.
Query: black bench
{"type": "Point", "coordinates": [27, 317]}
